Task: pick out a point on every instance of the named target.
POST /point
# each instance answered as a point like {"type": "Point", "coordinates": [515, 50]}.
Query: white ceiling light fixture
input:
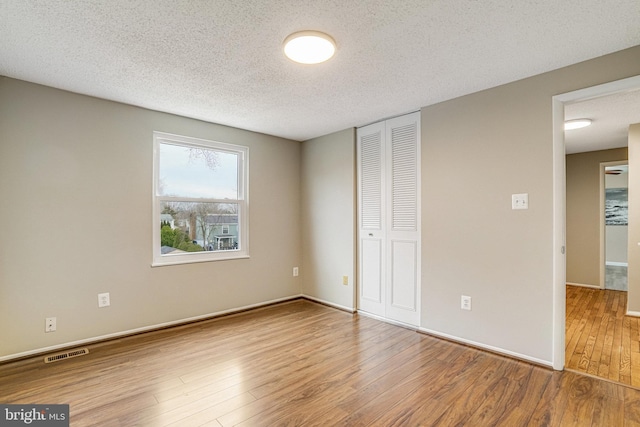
{"type": "Point", "coordinates": [309, 47]}
{"type": "Point", "coordinates": [576, 124]}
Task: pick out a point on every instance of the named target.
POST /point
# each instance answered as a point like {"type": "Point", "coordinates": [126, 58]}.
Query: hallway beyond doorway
{"type": "Point", "coordinates": [600, 339]}
{"type": "Point", "coordinates": [616, 278]}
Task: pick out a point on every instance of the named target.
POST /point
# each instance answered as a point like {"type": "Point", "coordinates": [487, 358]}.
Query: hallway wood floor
{"type": "Point", "coordinates": [600, 339]}
{"type": "Point", "coordinates": [304, 364]}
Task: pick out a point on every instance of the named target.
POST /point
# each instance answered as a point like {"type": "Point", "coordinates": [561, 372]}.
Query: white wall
{"type": "Point", "coordinates": [617, 181]}
{"type": "Point", "coordinates": [328, 212]}
{"type": "Point", "coordinates": [616, 235]}
{"type": "Point", "coordinates": [75, 183]}
{"type": "Point", "coordinates": [616, 243]}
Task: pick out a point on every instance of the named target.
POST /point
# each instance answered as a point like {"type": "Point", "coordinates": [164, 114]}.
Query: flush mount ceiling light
{"type": "Point", "coordinates": [576, 124]}
{"type": "Point", "coordinates": [309, 47]}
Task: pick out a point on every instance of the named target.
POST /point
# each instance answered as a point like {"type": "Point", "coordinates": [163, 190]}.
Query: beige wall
{"type": "Point", "coordinates": [633, 271]}
{"type": "Point", "coordinates": [477, 151]}
{"type": "Point", "coordinates": [75, 181]}
{"type": "Point", "coordinates": [328, 212]}
{"type": "Point", "coordinates": [583, 214]}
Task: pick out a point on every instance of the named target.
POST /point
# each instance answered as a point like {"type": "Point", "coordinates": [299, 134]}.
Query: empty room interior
{"type": "Point", "coordinates": [201, 228]}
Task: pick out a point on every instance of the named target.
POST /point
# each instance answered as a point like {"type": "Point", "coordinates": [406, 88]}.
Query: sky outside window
{"type": "Point", "coordinates": [184, 174]}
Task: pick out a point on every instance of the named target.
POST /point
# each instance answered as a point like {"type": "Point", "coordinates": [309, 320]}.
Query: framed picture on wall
{"type": "Point", "coordinates": [616, 206]}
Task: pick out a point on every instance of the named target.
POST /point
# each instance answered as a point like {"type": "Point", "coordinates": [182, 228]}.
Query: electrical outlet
{"type": "Point", "coordinates": [465, 302]}
{"type": "Point", "coordinates": [104, 300]}
{"type": "Point", "coordinates": [295, 271]}
{"type": "Point", "coordinates": [345, 280]}
{"type": "Point", "coordinates": [50, 324]}
{"type": "Point", "coordinates": [520, 201]}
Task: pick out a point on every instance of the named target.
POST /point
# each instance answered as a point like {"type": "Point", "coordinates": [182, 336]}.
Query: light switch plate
{"type": "Point", "coordinates": [520, 201]}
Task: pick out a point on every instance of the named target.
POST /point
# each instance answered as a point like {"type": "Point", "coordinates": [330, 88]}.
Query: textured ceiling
{"type": "Point", "coordinates": [221, 61]}
{"type": "Point", "coordinates": [611, 116]}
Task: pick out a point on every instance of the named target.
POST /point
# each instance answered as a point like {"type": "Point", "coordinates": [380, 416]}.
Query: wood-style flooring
{"type": "Point", "coordinates": [304, 364]}
{"type": "Point", "coordinates": [600, 339]}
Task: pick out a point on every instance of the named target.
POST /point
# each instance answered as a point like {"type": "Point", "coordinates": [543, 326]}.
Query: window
{"type": "Point", "coordinates": [200, 205]}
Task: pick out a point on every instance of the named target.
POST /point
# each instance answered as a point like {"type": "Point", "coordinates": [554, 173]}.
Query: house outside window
{"type": "Point", "coordinates": [219, 231]}
{"type": "Point", "coordinates": [200, 207]}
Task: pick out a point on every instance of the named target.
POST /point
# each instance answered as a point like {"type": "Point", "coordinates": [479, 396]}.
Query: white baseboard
{"type": "Point", "coordinates": [633, 313]}
{"type": "Point", "coordinates": [264, 304]}
{"type": "Point", "coordinates": [488, 347]}
{"type": "Point", "coordinates": [121, 334]}
{"type": "Point", "coordinates": [584, 285]}
{"type": "Point", "coordinates": [384, 319]}
{"type": "Point", "coordinates": [617, 264]}
{"type": "Point", "coordinates": [329, 303]}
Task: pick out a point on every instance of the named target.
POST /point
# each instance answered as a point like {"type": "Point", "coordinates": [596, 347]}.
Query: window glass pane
{"type": "Point", "coordinates": [199, 200]}
{"type": "Point", "coordinates": [197, 172]}
{"type": "Point", "coordinates": [198, 227]}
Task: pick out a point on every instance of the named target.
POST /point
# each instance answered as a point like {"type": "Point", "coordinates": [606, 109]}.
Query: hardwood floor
{"type": "Point", "coordinates": [301, 363]}
{"type": "Point", "coordinates": [600, 339]}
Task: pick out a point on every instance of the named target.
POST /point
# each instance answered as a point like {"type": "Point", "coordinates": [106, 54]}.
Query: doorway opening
{"type": "Point", "coordinates": [568, 347]}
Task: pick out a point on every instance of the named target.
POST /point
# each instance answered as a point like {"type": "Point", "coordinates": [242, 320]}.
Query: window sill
{"type": "Point", "coordinates": [165, 263]}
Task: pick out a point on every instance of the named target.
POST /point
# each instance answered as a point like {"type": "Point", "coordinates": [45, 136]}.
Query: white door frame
{"type": "Point", "coordinates": [559, 202]}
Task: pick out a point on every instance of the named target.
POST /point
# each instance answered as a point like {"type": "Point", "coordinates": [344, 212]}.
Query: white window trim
{"type": "Point", "coordinates": [242, 202]}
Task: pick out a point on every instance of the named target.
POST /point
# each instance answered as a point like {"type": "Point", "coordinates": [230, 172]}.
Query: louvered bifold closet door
{"type": "Point", "coordinates": [389, 218]}
{"type": "Point", "coordinates": [371, 217]}
{"type": "Point", "coordinates": [402, 235]}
